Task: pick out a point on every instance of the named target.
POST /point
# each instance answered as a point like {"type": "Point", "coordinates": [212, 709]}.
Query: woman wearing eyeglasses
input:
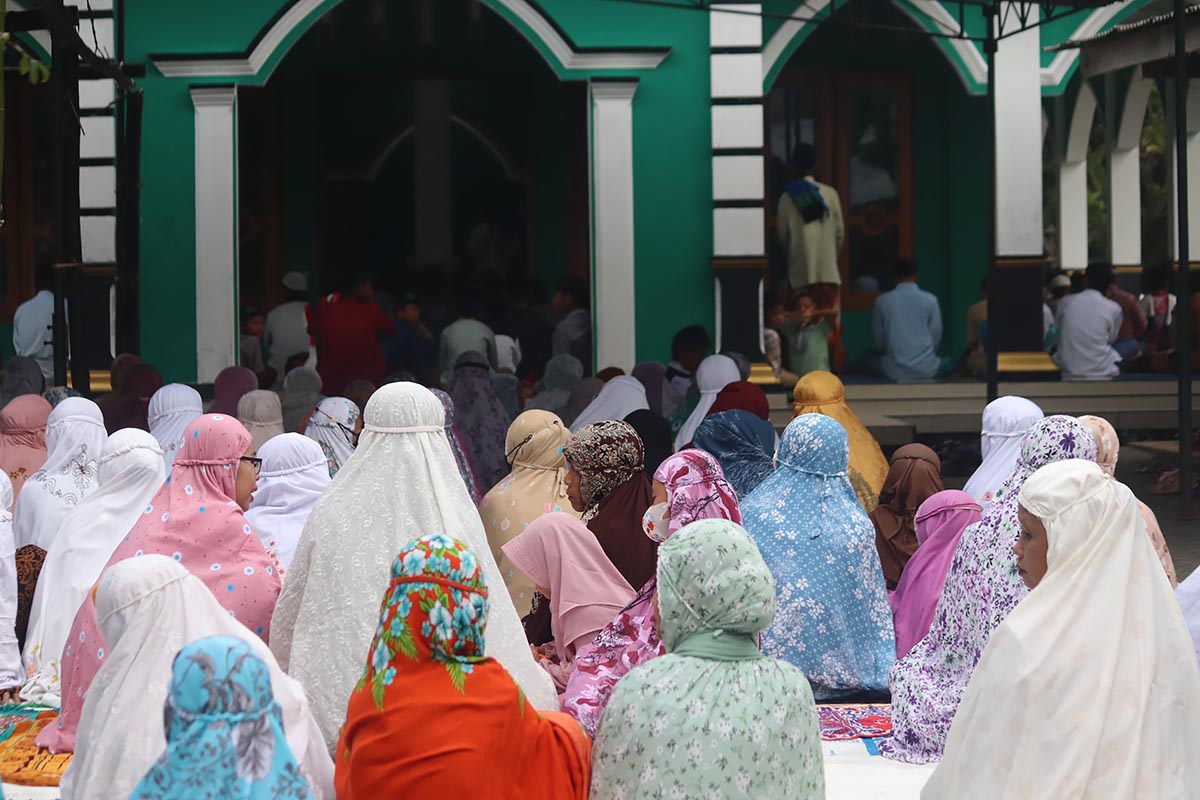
{"type": "Point", "coordinates": [196, 518]}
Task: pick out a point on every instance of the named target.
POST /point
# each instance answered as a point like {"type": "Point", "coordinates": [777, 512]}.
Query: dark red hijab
{"type": "Point", "coordinates": [743, 396]}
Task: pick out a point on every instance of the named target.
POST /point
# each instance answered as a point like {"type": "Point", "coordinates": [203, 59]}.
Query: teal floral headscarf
{"type": "Point", "coordinates": [224, 731]}
{"type": "Point", "coordinates": [435, 609]}
{"type": "Point", "coordinates": [713, 718]}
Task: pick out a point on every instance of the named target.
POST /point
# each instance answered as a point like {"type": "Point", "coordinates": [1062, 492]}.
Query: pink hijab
{"type": "Point", "coordinates": [23, 438]}
{"type": "Point", "coordinates": [195, 520]}
{"type": "Point", "coordinates": [696, 489]}
{"type": "Point", "coordinates": [940, 522]}
{"type": "Point", "coordinates": [558, 552]}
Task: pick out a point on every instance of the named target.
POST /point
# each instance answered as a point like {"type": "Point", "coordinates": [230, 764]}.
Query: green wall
{"type": "Point", "coordinates": [672, 139]}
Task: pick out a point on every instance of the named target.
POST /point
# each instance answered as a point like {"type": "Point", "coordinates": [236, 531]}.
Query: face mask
{"type": "Point", "coordinates": [656, 521]}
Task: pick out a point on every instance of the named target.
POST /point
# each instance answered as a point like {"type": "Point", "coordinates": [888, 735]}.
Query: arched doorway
{"type": "Point", "coordinates": [428, 143]}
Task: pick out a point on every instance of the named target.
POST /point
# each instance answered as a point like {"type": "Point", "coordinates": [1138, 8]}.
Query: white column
{"type": "Point", "coordinates": [216, 232]}
{"type": "Point", "coordinates": [1072, 176]}
{"type": "Point", "coordinates": [1125, 212]}
{"type": "Point", "coordinates": [611, 130]}
{"type": "Point", "coordinates": [1018, 104]}
{"type": "Point", "coordinates": [1193, 176]}
{"type": "Point", "coordinates": [432, 168]}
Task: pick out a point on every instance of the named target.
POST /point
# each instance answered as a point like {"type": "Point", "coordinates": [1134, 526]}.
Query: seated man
{"type": "Point", "coordinates": [908, 329]}
{"type": "Point", "coordinates": [1133, 322]}
{"type": "Point", "coordinates": [1088, 324]}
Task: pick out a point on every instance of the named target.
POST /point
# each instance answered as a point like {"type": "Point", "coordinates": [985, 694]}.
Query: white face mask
{"type": "Point", "coordinates": [656, 520]}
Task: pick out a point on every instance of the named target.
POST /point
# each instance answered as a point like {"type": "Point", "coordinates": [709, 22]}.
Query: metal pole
{"type": "Point", "coordinates": [66, 244]}
{"type": "Point", "coordinates": [1183, 306]}
{"type": "Point", "coordinates": [990, 13]}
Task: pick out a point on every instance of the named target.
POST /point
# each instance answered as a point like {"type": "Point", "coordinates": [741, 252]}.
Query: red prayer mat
{"type": "Point", "coordinates": [22, 761]}
{"type": "Point", "coordinates": [856, 721]}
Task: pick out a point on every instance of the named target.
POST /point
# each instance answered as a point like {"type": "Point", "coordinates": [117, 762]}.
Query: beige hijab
{"type": "Point", "coordinates": [534, 450]}
{"type": "Point", "coordinates": [1108, 449]}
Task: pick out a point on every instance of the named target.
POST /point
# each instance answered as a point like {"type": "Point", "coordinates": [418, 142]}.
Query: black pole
{"type": "Point", "coordinates": [67, 246]}
{"type": "Point", "coordinates": [1183, 306]}
{"type": "Point", "coordinates": [989, 48]}
{"type": "Point", "coordinates": [128, 215]}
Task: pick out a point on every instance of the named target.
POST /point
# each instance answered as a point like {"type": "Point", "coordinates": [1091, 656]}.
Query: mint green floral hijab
{"type": "Point", "coordinates": [713, 718]}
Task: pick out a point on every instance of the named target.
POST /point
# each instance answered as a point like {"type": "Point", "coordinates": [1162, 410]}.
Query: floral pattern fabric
{"type": "Point", "coordinates": [696, 489]}
{"type": "Point", "coordinates": [332, 426]}
{"type": "Point", "coordinates": [481, 416]}
{"type": "Point", "coordinates": [713, 718]}
{"type": "Point", "coordinates": [432, 716]}
{"type": "Point", "coordinates": [834, 621]}
{"type": "Point", "coordinates": [224, 731]}
{"type": "Point", "coordinates": [980, 590]}
{"type": "Point", "coordinates": [605, 454]}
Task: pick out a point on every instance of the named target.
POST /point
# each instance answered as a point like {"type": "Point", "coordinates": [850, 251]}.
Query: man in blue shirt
{"type": "Point", "coordinates": [908, 329]}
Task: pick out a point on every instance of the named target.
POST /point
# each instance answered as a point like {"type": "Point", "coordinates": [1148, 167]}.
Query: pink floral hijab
{"type": "Point", "coordinates": [194, 519]}
{"type": "Point", "coordinates": [696, 489]}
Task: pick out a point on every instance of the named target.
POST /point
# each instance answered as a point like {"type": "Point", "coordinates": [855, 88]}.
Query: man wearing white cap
{"type": "Point", "coordinates": [287, 326]}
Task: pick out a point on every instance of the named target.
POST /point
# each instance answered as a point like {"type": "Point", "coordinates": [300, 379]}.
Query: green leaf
{"type": "Point", "coordinates": [377, 691]}
{"type": "Point", "coordinates": [457, 677]}
{"type": "Point", "coordinates": [406, 643]}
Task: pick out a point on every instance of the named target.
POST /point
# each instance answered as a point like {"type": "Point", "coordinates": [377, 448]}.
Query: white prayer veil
{"type": "Point", "coordinates": [1005, 421]}
{"type": "Point", "coordinates": [713, 375]}
{"type": "Point", "coordinates": [262, 414]}
{"type": "Point", "coordinates": [148, 608]}
{"type": "Point", "coordinates": [172, 409]}
{"type": "Point", "coordinates": [130, 472]}
{"type": "Point", "coordinates": [75, 436]}
{"type": "Point", "coordinates": [619, 398]}
{"type": "Point", "coordinates": [1090, 687]}
{"type": "Point", "coordinates": [403, 483]}
{"type": "Point", "coordinates": [294, 473]}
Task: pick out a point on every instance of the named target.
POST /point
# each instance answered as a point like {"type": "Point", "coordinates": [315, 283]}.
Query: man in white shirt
{"type": "Point", "coordinates": [33, 327]}
{"type": "Point", "coordinates": [287, 326]}
{"type": "Point", "coordinates": [1088, 324]}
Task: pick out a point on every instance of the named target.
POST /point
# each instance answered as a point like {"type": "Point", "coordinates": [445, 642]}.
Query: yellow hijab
{"type": "Point", "coordinates": [823, 393]}
{"type": "Point", "coordinates": [534, 487]}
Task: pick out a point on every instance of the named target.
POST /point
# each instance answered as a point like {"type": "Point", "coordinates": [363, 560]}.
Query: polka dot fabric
{"type": "Point", "coordinates": [195, 520]}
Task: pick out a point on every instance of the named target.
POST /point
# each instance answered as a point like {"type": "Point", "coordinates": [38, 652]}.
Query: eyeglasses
{"type": "Point", "coordinates": [254, 462]}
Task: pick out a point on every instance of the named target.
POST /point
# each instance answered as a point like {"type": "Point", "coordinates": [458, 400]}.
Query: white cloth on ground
{"type": "Point", "coordinates": [1090, 687]}
{"type": "Point", "coordinates": [148, 608]}
{"type": "Point", "coordinates": [619, 398]}
{"type": "Point", "coordinates": [403, 483]}
{"type": "Point", "coordinates": [130, 472]}
{"type": "Point", "coordinates": [75, 437]}
{"type": "Point", "coordinates": [294, 473]}
{"type": "Point", "coordinates": [1005, 421]}
{"type": "Point", "coordinates": [172, 409]}
{"type": "Point", "coordinates": [714, 374]}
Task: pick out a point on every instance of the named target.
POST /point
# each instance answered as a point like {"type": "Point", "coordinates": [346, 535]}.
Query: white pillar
{"type": "Point", "coordinates": [611, 131]}
{"type": "Point", "coordinates": [1072, 175]}
{"type": "Point", "coordinates": [1018, 103]}
{"type": "Point", "coordinates": [216, 232]}
{"type": "Point", "coordinates": [1193, 176]}
{"type": "Point", "coordinates": [1125, 211]}
{"type": "Point", "coordinates": [432, 168]}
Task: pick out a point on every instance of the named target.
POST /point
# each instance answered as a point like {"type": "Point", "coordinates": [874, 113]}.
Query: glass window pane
{"type": "Point", "coordinates": [873, 142]}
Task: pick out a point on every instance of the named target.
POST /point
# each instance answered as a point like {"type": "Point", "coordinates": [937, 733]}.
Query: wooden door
{"type": "Point", "coordinates": [861, 125]}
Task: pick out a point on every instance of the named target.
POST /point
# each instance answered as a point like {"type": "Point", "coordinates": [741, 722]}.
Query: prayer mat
{"type": "Point", "coordinates": [857, 721]}
{"type": "Point", "coordinates": [22, 761]}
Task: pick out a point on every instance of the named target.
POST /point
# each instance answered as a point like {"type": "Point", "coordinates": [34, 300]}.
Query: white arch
{"type": "Point", "coordinates": [1072, 183]}
{"type": "Point", "coordinates": [558, 51]}
{"type": "Point", "coordinates": [377, 163]}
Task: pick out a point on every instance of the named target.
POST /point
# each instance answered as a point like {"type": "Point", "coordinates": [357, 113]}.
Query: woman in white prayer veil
{"type": "Point", "coordinates": [148, 609]}
{"type": "Point", "coordinates": [619, 398]}
{"type": "Point", "coordinates": [75, 436]}
{"type": "Point", "coordinates": [294, 473]}
{"type": "Point", "coordinates": [401, 484]}
{"type": "Point", "coordinates": [11, 672]}
{"type": "Point", "coordinates": [262, 414]}
{"type": "Point", "coordinates": [1090, 687]}
{"type": "Point", "coordinates": [172, 409]}
{"type": "Point", "coordinates": [1005, 421]}
{"type": "Point", "coordinates": [714, 374]}
{"type": "Point", "coordinates": [130, 471]}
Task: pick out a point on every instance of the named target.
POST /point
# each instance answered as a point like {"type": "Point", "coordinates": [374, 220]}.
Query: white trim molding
{"type": "Point", "coordinates": [1056, 72]}
{"type": "Point", "coordinates": [613, 295]}
{"type": "Point", "coordinates": [560, 51]}
{"type": "Point", "coordinates": [216, 234]}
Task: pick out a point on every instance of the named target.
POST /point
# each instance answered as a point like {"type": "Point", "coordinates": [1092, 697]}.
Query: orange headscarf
{"type": "Point", "coordinates": [431, 716]}
{"type": "Point", "coordinates": [823, 393]}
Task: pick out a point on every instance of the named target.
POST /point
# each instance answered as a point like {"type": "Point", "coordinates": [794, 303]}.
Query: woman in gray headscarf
{"type": "Point", "coordinates": [561, 375]}
{"type": "Point", "coordinates": [301, 393]}
{"type": "Point", "coordinates": [21, 376]}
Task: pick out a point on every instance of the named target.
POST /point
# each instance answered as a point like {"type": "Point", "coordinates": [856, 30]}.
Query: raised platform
{"type": "Point", "coordinates": [898, 414]}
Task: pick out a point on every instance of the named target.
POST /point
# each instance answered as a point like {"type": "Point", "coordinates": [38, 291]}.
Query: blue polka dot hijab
{"type": "Point", "coordinates": [148, 609]}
